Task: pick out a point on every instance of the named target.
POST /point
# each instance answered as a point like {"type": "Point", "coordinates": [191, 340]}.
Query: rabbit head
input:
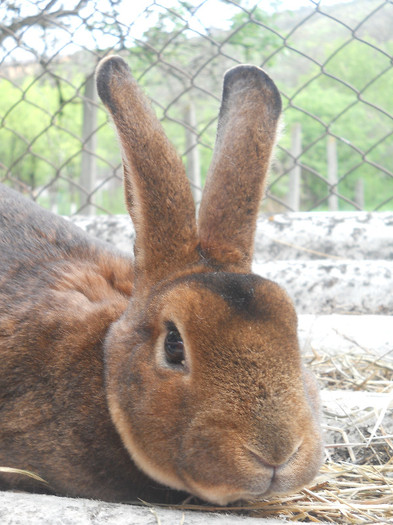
{"type": "Point", "coordinates": [204, 378]}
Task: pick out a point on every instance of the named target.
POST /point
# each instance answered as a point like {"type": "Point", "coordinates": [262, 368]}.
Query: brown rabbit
{"type": "Point", "coordinates": [181, 371]}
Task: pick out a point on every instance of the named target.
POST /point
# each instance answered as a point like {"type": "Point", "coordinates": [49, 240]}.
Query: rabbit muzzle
{"type": "Point", "coordinates": [225, 464]}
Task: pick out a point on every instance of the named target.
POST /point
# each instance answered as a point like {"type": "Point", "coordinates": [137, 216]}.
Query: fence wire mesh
{"type": "Point", "coordinates": [332, 62]}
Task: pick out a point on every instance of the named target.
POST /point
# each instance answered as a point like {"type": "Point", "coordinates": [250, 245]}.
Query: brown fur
{"type": "Point", "coordinates": [88, 398]}
{"type": "Point", "coordinates": [245, 139]}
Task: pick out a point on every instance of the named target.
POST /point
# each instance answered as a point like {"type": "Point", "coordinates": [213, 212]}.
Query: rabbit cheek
{"type": "Point", "coordinates": [150, 434]}
{"type": "Point", "coordinates": [216, 467]}
{"type": "Point", "coordinates": [312, 391]}
{"type": "Point", "coordinates": [145, 405]}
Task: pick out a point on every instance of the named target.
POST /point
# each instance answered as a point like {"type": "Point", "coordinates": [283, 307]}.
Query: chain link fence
{"type": "Point", "coordinates": [332, 62]}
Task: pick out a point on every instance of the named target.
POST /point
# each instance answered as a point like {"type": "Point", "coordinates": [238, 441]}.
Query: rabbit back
{"type": "Point", "coordinates": [60, 291]}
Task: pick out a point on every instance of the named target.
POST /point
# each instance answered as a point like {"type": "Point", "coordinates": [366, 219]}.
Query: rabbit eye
{"type": "Point", "coordinates": [174, 346]}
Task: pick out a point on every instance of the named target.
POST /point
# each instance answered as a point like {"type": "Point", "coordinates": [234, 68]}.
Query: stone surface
{"type": "Point", "coordinates": [327, 262]}
{"type": "Point", "coordinates": [115, 229]}
{"type": "Point", "coordinates": [32, 509]}
{"type": "Point", "coordinates": [318, 235]}
{"type": "Point", "coordinates": [323, 287]}
{"type": "Point", "coordinates": [310, 235]}
{"type": "Point", "coordinates": [345, 402]}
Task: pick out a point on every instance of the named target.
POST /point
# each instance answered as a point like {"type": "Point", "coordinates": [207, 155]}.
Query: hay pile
{"type": "Point", "coordinates": [343, 493]}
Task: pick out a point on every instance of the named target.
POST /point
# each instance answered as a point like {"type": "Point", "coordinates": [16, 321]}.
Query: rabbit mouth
{"type": "Point", "coordinates": [257, 478]}
{"type": "Point", "coordinates": [254, 486]}
{"type": "Point", "coordinates": [226, 494]}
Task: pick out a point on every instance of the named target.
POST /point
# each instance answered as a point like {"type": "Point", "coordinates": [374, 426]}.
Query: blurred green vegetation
{"type": "Point", "coordinates": [346, 95]}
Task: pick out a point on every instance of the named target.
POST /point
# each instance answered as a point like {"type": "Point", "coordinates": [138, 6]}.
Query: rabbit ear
{"type": "Point", "coordinates": [250, 110]}
{"type": "Point", "coordinates": [157, 191]}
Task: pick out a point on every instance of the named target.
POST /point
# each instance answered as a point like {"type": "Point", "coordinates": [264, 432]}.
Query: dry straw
{"type": "Point", "coordinates": [344, 493]}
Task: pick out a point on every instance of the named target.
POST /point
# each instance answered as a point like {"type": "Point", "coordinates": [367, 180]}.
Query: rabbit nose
{"type": "Point", "coordinates": [273, 460]}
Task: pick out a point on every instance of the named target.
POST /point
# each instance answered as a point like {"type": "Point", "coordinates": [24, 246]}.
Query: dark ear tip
{"type": "Point", "coordinates": [112, 62]}
{"type": "Point", "coordinates": [245, 72]}
{"type": "Point", "coordinates": [246, 76]}
{"type": "Point", "coordinates": [109, 67]}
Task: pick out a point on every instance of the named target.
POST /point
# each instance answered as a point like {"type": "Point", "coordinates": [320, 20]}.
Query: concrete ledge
{"type": "Point", "coordinates": [316, 235]}
{"type": "Point", "coordinates": [33, 509]}
{"type": "Point", "coordinates": [310, 235]}
{"type": "Point", "coordinates": [324, 287]}
{"type": "Point", "coordinates": [114, 229]}
{"type": "Point", "coordinates": [294, 249]}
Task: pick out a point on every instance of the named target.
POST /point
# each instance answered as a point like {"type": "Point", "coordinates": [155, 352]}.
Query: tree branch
{"type": "Point", "coordinates": [42, 19]}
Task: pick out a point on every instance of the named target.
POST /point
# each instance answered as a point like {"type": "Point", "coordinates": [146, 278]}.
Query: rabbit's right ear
{"type": "Point", "coordinates": [158, 194]}
{"type": "Point", "coordinates": [250, 110]}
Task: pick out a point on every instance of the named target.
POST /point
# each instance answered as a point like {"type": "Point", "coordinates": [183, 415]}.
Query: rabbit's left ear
{"type": "Point", "coordinates": [158, 194]}
{"type": "Point", "coordinates": [250, 110]}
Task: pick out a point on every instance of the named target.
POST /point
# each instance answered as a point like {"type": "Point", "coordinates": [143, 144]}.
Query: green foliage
{"type": "Point", "coordinates": [34, 123]}
{"type": "Point", "coordinates": [354, 105]}
{"type": "Point", "coordinates": [40, 136]}
{"type": "Point", "coordinates": [252, 34]}
{"type": "Point", "coordinates": [348, 97]}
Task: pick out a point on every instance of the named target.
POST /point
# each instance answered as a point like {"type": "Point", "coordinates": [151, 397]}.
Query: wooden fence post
{"type": "Point", "coordinates": [332, 172]}
{"type": "Point", "coordinates": [88, 164]}
{"type": "Point", "coordinates": [359, 193]}
{"type": "Point", "coordinates": [296, 171]}
{"type": "Point", "coordinates": [193, 162]}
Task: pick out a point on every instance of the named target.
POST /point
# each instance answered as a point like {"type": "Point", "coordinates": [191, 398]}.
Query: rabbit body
{"type": "Point", "coordinates": [178, 372]}
{"type": "Point", "coordinates": [60, 291]}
